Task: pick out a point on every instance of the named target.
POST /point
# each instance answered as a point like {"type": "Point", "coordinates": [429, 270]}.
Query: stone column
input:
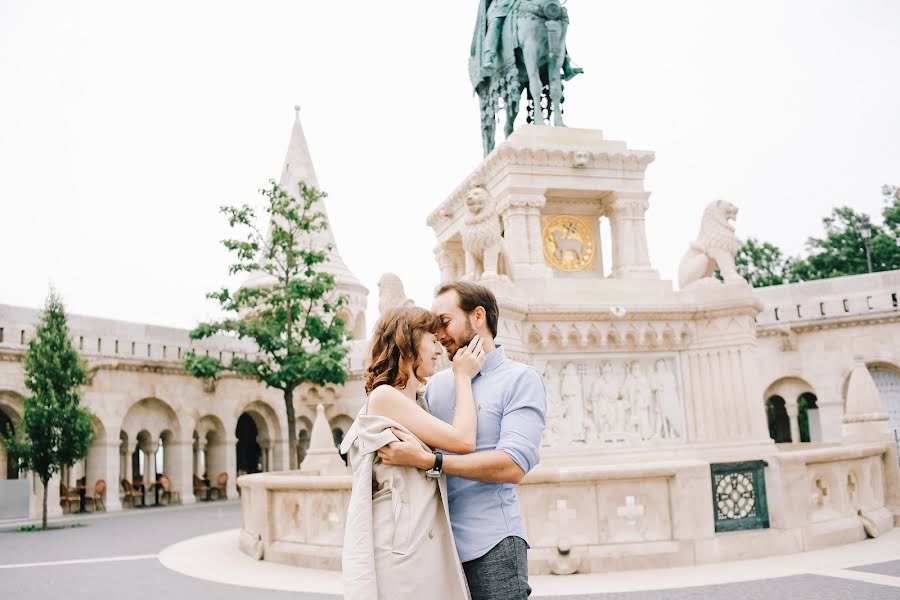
{"type": "Point", "coordinates": [230, 467]}
{"type": "Point", "coordinates": [630, 257]}
{"type": "Point", "coordinates": [521, 214]}
{"type": "Point", "coordinates": [150, 461]}
{"type": "Point", "coordinates": [129, 460]}
{"type": "Point", "coordinates": [112, 475]}
{"type": "Point", "coordinates": [182, 461]}
{"type": "Point", "coordinates": [445, 263]}
{"type": "Point", "coordinates": [793, 412]}
{"type": "Point", "coordinates": [514, 212]}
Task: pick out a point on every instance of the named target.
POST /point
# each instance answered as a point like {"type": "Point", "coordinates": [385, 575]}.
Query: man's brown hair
{"type": "Point", "coordinates": [471, 296]}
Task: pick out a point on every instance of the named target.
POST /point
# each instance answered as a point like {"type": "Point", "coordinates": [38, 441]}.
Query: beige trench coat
{"type": "Point", "coordinates": [398, 544]}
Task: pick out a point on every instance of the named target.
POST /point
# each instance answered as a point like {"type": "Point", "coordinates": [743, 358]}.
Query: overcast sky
{"type": "Point", "coordinates": [124, 126]}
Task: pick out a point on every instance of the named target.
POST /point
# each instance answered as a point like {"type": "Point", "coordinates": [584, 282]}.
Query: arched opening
{"type": "Point", "coordinates": [340, 425]}
{"type": "Point", "coordinates": [249, 452]}
{"type": "Point", "coordinates": [150, 436]}
{"type": "Point", "coordinates": [808, 418]}
{"type": "Point", "coordinates": [887, 380]}
{"type": "Point", "coordinates": [779, 422]}
{"type": "Point", "coordinates": [8, 461]}
{"type": "Point", "coordinates": [208, 449]}
{"type": "Point", "coordinates": [304, 427]}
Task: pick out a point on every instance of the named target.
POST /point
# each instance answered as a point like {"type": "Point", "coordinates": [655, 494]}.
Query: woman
{"type": "Point", "coordinates": [398, 544]}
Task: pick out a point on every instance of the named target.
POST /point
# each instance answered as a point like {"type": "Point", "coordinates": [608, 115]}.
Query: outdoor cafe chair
{"type": "Point", "coordinates": [168, 493]}
{"type": "Point", "coordinates": [97, 497]}
{"type": "Point", "coordinates": [201, 489]}
{"type": "Point", "coordinates": [68, 496]}
{"type": "Point", "coordinates": [131, 493]}
{"type": "Point", "coordinates": [219, 488]}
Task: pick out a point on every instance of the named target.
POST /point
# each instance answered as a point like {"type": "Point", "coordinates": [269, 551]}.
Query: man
{"type": "Point", "coordinates": [511, 402]}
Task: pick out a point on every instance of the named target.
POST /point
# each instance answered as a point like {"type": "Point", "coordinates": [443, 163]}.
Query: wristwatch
{"type": "Point", "coordinates": [435, 471]}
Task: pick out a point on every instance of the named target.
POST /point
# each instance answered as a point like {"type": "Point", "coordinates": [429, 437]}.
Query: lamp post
{"type": "Point", "coordinates": [865, 230]}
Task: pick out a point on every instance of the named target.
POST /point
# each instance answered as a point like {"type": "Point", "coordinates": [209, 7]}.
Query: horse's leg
{"type": "Point", "coordinates": [488, 121]}
{"type": "Point", "coordinates": [512, 109]}
{"type": "Point", "coordinates": [531, 54]}
{"type": "Point", "coordinates": [556, 45]}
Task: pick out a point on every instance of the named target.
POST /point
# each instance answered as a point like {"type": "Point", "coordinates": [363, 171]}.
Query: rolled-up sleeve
{"type": "Point", "coordinates": [522, 424]}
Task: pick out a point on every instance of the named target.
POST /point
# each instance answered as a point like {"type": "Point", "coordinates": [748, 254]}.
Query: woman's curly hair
{"type": "Point", "coordinates": [395, 341]}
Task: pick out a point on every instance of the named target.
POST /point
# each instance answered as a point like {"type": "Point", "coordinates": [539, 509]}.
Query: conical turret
{"type": "Point", "coordinates": [298, 166]}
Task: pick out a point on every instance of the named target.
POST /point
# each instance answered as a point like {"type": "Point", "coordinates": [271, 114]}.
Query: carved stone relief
{"type": "Point", "coordinates": [627, 401]}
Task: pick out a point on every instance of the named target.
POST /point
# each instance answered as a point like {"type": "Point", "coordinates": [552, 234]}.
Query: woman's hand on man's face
{"type": "Point", "coordinates": [468, 360]}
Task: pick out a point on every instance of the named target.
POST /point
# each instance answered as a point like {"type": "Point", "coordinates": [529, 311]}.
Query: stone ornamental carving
{"type": "Point", "coordinates": [482, 236]}
{"type": "Point", "coordinates": [568, 243]}
{"type": "Point", "coordinates": [630, 402]}
{"type": "Point", "coordinates": [391, 294]}
{"type": "Point", "coordinates": [715, 247]}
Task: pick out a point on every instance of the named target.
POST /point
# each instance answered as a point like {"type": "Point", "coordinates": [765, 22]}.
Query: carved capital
{"type": "Point", "coordinates": [628, 206]}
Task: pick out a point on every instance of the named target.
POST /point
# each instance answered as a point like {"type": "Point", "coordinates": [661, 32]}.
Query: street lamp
{"type": "Point", "coordinates": [865, 229]}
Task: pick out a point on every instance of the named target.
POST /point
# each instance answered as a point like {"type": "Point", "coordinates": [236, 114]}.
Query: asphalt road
{"type": "Point", "coordinates": [114, 556]}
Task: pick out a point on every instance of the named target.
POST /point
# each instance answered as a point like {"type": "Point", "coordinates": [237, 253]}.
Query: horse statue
{"type": "Point", "coordinates": [519, 45]}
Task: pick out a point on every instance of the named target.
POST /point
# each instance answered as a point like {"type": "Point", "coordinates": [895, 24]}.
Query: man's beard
{"type": "Point", "coordinates": [468, 334]}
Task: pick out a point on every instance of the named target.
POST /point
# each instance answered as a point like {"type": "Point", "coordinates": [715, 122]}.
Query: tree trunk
{"type": "Point", "coordinates": [292, 428]}
{"type": "Point", "coordinates": [44, 502]}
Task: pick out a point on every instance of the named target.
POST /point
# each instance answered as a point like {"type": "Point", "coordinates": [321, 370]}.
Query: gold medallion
{"type": "Point", "coordinates": [568, 243]}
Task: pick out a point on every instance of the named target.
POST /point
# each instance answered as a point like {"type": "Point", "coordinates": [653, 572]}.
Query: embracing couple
{"type": "Point", "coordinates": [434, 512]}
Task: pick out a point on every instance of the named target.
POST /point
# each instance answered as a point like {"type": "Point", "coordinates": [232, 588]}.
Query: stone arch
{"type": "Point", "coordinates": [11, 409]}
{"type": "Point", "coordinates": [779, 422]}
{"type": "Point", "coordinates": [359, 326]}
{"type": "Point", "coordinates": [147, 422]}
{"type": "Point", "coordinates": [887, 380]}
{"type": "Point", "coordinates": [209, 448]}
{"type": "Point", "coordinates": [789, 390]}
{"type": "Point", "coordinates": [151, 415]}
{"type": "Point", "coordinates": [255, 453]}
{"type": "Point", "coordinates": [304, 430]}
{"type": "Point", "coordinates": [339, 426]}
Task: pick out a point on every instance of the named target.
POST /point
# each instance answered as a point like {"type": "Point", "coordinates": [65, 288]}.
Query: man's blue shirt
{"type": "Point", "coordinates": [511, 405]}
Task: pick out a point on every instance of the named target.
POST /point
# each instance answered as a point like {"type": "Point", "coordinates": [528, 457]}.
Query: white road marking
{"type": "Point", "coordinates": [863, 576]}
{"type": "Point", "coordinates": [78, 561]}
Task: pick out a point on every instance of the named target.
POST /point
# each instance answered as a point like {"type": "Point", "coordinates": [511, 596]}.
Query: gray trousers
{"type": "Point", "coordinates": [502, 573]}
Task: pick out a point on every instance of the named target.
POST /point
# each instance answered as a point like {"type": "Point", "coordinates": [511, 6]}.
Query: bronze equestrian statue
{"type": "Point", "coordinates": [519, 45]}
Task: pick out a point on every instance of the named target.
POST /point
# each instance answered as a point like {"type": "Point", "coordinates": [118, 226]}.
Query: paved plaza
{"type": "Point", "coordinates": [119, 555]}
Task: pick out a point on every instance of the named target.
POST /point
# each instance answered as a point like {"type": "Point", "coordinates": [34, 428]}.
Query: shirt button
{"type": "Point", "coordinates": [431, 534]}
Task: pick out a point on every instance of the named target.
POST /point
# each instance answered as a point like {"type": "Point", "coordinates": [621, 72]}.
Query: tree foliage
{"type": "Point", "coordinates": [55, 431]}
{"type": "Point", "coordinates": [841, 251]}
{"type": "Point", "coordinates": [761, 263]}
{"type": "Point", "coordinates": [290, 312]}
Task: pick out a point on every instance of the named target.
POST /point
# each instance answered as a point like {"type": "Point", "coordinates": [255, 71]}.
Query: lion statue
{"type": "Point", "coordinates": [482, 237]}
{"type": "Point", "coordinates": [716, 246]}
{"type": "Point", "coordinates": [391, 294]}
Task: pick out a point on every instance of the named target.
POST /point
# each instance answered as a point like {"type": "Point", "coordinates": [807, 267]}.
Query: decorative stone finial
{"type": "Point", "coordinates": [864, 418]}
{"type": "Point", "coordinates": [297, 111]}
{"type": "Point", "coordinates": [322, 458]}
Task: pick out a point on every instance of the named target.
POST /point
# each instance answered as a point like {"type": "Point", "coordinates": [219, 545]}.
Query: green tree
{"type": "Point", "coordinates": [55, 431]}
{"type": "Point", "coordinates": [885, 245]}
{"type": "Point", "coordinates": [842, 251]}
{"type": "Point", "coordinates": [761, 263]}
{"type": "Point", "coordinates": [292, 316]}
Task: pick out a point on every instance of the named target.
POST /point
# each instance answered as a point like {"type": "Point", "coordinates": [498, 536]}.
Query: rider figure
{"type": "Point", "coordinates": [496, 14]}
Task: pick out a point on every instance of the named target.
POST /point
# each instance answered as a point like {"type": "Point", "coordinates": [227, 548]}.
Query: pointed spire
{"type": "Point", "coordinates": [322, 458]}
{"type": "Point", "coordinates": [298, 166]}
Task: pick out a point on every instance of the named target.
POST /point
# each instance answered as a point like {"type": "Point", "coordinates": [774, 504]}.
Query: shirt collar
{"type": "Point", "coordinates": [492, 360]}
